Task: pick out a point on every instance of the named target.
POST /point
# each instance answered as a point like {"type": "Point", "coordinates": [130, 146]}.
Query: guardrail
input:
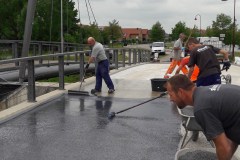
{"type": "Point", "coordinates": [13, 48]}
{"type": "Point", "coordinates": [129, 56]}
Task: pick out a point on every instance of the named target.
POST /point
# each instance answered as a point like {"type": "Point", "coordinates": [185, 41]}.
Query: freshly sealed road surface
{"type": "Point", "coordinates": [77, 128]}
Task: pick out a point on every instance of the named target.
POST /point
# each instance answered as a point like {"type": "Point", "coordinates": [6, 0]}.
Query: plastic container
{"type": "Point", "coordinates": [158, 84]}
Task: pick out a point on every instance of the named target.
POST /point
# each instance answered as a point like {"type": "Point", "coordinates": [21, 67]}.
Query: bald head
{"type": "Point", "coordinates": [182, 36]}
{"type": "Point", "coordinates": [91, 41]}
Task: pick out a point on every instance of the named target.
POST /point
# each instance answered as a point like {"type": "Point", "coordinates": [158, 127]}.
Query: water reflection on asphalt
{"type": "Point", "coordinates": [75, 127]}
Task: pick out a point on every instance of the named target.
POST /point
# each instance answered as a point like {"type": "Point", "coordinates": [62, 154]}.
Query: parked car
{"type": "Point", "coordinates": [158, 48]}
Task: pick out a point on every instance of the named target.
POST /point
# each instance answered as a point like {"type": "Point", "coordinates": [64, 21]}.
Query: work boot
{"type": "Point", "coordinates": [94, 91]}
{"type": "Point", "coordinates": [110, 91]}
{"type": "Point", "coordinates": [195, 135]}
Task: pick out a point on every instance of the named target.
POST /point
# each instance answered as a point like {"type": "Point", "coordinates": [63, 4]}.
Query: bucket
{"type": "Point", "coordinates": [158, 84]}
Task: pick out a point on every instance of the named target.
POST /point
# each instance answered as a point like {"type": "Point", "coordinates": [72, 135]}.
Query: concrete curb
{"type": "Point", "coordinates": [25, 106]}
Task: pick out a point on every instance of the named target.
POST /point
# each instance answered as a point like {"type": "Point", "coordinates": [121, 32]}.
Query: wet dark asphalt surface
{"type": "Point", "coordinates": [77, 128]}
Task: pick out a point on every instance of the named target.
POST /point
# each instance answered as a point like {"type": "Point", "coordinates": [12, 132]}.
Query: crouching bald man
{"type": "Point", "coordinates": [216, 109]}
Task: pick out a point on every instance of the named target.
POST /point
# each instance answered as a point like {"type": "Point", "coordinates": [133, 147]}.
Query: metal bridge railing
{"type": "Point", "coordinates": [129, 56]}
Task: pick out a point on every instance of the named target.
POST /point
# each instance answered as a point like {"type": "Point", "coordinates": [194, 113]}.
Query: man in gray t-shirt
{"type": "Point", "coordinates": [216, 109]}
{"type": "Point", "coordinates": [177, 47]}
{"type": "Point", "coordinates": [98, 52]}
{"type": "Point", "coordinates": [102, 72]}
{"type": "Point", "coordinates": [217, 116]}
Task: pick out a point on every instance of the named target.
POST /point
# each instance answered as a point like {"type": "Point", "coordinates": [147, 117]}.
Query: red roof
{"type": "Point", "coordinates": [133, 32]}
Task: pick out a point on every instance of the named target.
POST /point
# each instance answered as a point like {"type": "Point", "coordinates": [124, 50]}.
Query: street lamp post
{"type": "Point", "coordinates": [200, 31]}
{"type": "Point", "coordinates": [234, 27]}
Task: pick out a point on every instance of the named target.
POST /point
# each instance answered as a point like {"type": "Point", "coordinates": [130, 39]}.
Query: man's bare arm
{"type": "Point", "coordinates": [91, 59]}
{"type": "Point", "coordinates": [224, 53]}
{"type": "Point", "coordinates": [179, 69]}
{"type": "Point", "coordinates": [225, 148]}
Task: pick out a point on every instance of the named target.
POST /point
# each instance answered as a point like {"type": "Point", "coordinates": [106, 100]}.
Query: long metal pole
{"type": "Point", "coordinates": [200, 20]}
{"type": "Point", "coordinates": [200, 25]}
{"type": "Point", "coordinates": [61, 58]}
{"type": "Point", "coordinates": [61, 27]}
{"type": "Point", "coordinates": [234, 28]}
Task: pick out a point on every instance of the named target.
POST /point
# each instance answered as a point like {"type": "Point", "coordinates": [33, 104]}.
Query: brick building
{"type": "Point", "coordinates": [135, 33]}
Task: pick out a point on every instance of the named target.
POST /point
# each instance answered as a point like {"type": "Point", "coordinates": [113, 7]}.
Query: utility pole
{"type": "Point", "coordinates": [27, 37]}
{"type": "Point", "coordinates": [234, 28]}
{"type": "Point", "coordinates": [200, 30]}
{"type": "Point", "coordinates": [62, 27]}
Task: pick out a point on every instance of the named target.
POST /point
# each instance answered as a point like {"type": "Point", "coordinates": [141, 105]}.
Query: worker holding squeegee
{"type": "Point", "coordinates": [102, 72]}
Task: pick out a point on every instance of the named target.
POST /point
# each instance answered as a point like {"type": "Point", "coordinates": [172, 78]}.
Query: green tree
{"type": "Point", "coordinates": [193, 32]}
{"type": "Point", "coordinates": [157, 32]}
{"type": "Point", "coordinates": [209, 32]}
{"type": "Point", "coordinates": [237, 37]}
{"type": "Point", "coordinates": [180, 27]}
{"type": "Point", "coordinates": [12, 18]}
{"type": "Point", "coordinates": [91, 31]}
{"type": "Point", "coordinates": [223, 25]}
{"type": "Point", "coordinates": [113, 31]}
{"type": "Point", "coordinates": [47, 21]}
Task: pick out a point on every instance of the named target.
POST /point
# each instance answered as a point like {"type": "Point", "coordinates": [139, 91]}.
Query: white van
{"type": "Point", "coordinates": [158, 47]}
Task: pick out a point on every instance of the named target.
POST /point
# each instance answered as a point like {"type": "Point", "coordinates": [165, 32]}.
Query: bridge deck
{"type": "Point", "coordinates": [76, 127]}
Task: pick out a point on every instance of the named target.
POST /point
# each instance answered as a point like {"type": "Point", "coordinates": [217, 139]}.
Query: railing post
{"type": "Point", "coordinates": [148, 56]}
{"type": "Point", "coordinates": [107, 54]}
{"type": "Point", "coordinates": [34, 49]}
{"type": "Point", "coordinates": [15, 52]}
{"type": "Point", "coordinates": [31, 82]}
{"type": "Point", "coordinates": [123, 57]}
{"type": "Point", "coordinates": [61, 72]}
{"type": "Point", "coordinates": [40, 52]}
{"type": "Point", "coordinates": [139, 56]}
{"type": "Point", "coordinates": [129, 57]}
{"type": "Point", "coordinates": [81, 71]}
{"type": "Point", "coordinates": [75, 55]}
{"type": "Point", "coordinates": [52, 48]}
{"type": "Point", "coordinates": [59, 48]}
{"type": "Point", "coordinates": [115, 53]}
{"type": "Point", "coordinates": [134, 56]}
{"type": "Point", "coordinates": [68, 56]}
{"type": "Point", "coordinates": [144, 57]}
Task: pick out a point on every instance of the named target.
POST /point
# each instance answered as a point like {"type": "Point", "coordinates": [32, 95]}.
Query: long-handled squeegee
{"type": "Point", "coordinates": [75, 92]}
{"type": "Point", "coordinates": [112, 114]}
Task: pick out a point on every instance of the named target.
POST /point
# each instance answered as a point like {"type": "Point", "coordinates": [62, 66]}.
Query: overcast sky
{"type": "Point", "coordinates": [145, 13]}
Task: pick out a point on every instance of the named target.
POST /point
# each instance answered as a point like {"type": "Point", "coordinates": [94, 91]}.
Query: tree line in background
{"type": "Point", "coordinates": [47, 24]}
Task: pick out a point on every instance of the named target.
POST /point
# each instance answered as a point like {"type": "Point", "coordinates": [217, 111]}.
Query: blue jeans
{"type": "Point", "coordinates": [103, 73]}
{"type": "Point", "coordinates": [209, 80]}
